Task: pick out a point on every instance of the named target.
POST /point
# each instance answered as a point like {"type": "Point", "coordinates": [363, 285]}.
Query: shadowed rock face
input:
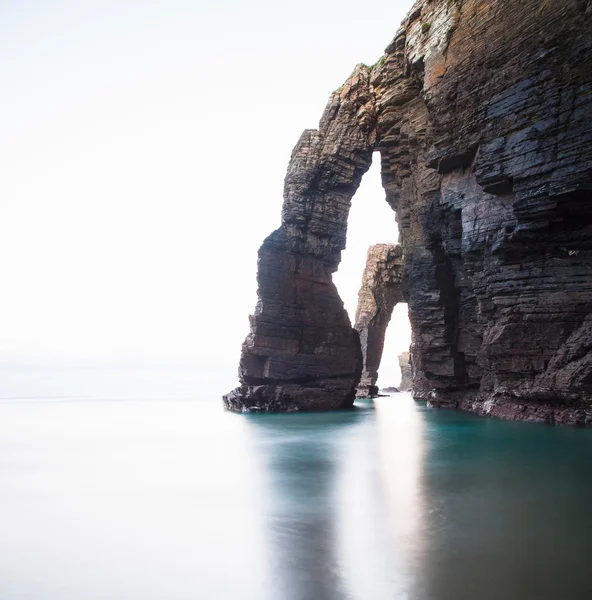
{"type": "Point", "coordinates": [380, 291]}
{"type": "Point", "coordinates": [482, 113]}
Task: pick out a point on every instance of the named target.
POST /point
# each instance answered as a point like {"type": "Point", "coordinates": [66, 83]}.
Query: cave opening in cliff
{"type": "Point", "coordinates": [369, 283]}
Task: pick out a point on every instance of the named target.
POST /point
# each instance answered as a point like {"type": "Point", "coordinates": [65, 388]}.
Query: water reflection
{"type": "Point", "coordinates": [302, 455]}
{"type": "Point", "coordinates": [381, 505]}
{"type": "Point", "coordinates": [343, 500]}
{"type": "Point", "coordinates": [508, 512]}
{"type": "Point", "coordinates": [400, 435]}
{"type": "Point", "coordinates": [396, 500]}
{"type": "Point", "coordinates": [178, 500]}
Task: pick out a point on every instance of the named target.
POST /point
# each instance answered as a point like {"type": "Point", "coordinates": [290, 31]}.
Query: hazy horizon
{"type": "Point", "coordinates": [144, 151]}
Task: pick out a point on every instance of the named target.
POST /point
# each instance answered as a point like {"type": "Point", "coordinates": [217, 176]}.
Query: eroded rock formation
{"type": "Point", "coordinates": [406, 384]}
{"type": "Point", "coordinates": [380, 291]}
{"type": "Point", "coordinates": [482, 113]}
{"type": "Point", "coordinates": [302, 353]}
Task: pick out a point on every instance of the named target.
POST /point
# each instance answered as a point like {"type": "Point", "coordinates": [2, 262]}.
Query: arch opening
{"type": "Point", "coordinates": [372, 255]}
{"type": "Point", "coordinates": [371, 221]}
{"type": "Point", "coordinates": [394, 368]}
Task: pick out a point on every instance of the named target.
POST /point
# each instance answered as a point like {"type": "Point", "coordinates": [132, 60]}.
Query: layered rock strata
{"type": "Point", "coordinates": [301, 352]}
{"type": "Point", "coordinates": [482, 113]}
{"type": "Point", "coordinates": [406, 384]}
{"type": "Point", "coordinates": [380, 292]}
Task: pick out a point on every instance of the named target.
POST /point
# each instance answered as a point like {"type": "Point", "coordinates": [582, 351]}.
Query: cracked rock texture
{"type": "Point", "coordinates": [482, 113]}
{"type": "Point", "coordinates": [380, 292]}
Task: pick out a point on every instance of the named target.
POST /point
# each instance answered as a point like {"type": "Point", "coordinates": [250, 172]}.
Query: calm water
{"type": "Point", "coordinates": [175, 499]}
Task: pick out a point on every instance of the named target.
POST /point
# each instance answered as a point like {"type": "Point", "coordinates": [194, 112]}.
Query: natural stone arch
{"type": "Point", "coordinates": [301, 352]}
{"type": "Point", "coordinates": [484, 135]}
{"type": "Point", "coordinates": [381, 290]}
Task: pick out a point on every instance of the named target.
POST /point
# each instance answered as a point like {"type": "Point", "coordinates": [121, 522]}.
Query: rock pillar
{"type": "Point", "coordinates": [301, 352]}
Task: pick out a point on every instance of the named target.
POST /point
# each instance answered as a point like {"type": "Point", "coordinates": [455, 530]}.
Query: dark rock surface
{"type": "Point", "coordinates": [483, 120]}
{"type": "Point", "coordinates": [406, 384]}
{"type": "Point", "coordinates": [380, 292]}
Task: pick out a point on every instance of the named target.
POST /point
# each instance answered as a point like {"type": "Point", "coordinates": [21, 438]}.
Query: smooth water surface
{"type": "Point", "coordinates": [176, 499]}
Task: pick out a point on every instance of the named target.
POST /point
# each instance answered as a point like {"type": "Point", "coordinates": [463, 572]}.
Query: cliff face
{"type": "Point", "coordinates": [482, 113]}
{"type": "Point", "coordinates": [380, 291]}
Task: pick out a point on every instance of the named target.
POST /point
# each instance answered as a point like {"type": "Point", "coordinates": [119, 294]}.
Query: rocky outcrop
{"type": "Point", "coordinates": [301, 352]}
{"type": "Point", "coordinates": [406, 384]}
{"type": "Point", "coordinates": [482, 113]}
{"type": "Point", "coordinates": [391, 389]}
{"type": "Point", "coordinates": [380, 291]}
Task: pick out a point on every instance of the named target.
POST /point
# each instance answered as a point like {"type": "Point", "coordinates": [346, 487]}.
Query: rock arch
{"type": "Point", "coordinates": [381, 290]}
{"type": "Point", "coordinates": [302, 352]}
{"type": "Point", "coordinates": [485, 136]}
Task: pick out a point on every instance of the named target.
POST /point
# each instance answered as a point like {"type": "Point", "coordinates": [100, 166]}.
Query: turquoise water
{"type": "Point", "coordinates": [176, 499]}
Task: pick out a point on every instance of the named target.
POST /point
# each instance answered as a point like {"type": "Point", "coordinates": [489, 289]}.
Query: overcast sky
{"type": "Point", "coordinates": [142, 156]}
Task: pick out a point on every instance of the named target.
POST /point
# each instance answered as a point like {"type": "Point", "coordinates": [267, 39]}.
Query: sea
{"type": "Point", "coordinates": [131, 484]}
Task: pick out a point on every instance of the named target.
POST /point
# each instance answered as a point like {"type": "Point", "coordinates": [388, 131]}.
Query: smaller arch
{"type": "Point", "coordinates": [381, 290]}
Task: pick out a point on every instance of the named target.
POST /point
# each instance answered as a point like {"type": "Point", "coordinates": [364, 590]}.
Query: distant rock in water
{"type": "Point", "coordinates": [406, 384]}
{"type": "Point", "coordinates": [482, 113]}
{"type": "Point", "coordinates": [390, 390]}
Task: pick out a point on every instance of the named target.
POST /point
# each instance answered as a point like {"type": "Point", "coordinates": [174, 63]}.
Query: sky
{"type": "Point", "coordinates": [143, 150]}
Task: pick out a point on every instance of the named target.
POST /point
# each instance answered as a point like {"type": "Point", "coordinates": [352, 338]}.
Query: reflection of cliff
{"type": "Point", "coordinates": [382, 514]}
{"type": "Point", "coordinates": [302, 459]}
{"type": "Point", "coordinates": [482, 113]}
{"type": "Point", "coordinates": [406, 374]}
